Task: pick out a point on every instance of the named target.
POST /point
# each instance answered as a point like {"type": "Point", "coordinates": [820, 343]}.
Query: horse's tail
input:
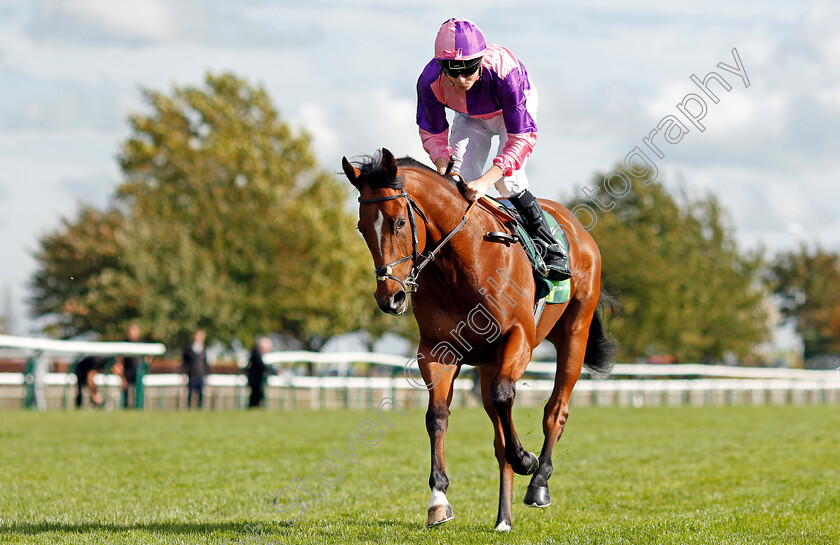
{"type": "Point", "coordinates": [600, 348]}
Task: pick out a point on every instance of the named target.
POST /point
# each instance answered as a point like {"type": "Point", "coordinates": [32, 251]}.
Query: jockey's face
{"type": "Point", "coordinates": [464, 83]}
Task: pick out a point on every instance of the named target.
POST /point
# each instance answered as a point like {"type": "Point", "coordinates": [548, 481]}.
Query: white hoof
{"type": "Point", "coordinates": [503, 527]}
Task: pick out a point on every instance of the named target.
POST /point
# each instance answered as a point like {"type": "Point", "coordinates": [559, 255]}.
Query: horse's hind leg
{"type": "Point", "coordinates": [504, 517]}
{"type": "Point", "coordinates": [569, 338]}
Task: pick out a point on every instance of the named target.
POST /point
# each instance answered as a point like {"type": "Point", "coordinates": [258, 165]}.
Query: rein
{"type": "Point", "coordinates": [418, 259]}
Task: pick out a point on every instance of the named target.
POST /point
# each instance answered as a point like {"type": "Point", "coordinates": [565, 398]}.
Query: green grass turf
{"type": "Point", "coordinates": [650, 475]}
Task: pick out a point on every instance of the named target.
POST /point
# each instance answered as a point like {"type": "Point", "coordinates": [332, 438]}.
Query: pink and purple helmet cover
{"type": "Point", "coordinates": [459, 39]}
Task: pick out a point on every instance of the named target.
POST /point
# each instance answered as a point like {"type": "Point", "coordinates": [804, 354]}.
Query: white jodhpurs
{"type": "Point", "coordinates": [470, 139]}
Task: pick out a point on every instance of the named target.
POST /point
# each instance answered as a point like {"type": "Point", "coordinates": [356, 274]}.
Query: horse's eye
{"type": "Point", "coordinates": [400, 223]}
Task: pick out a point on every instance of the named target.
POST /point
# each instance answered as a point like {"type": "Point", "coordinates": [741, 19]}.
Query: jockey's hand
{"type": "Point", "coordinates": [440, 164]}
{"type": "Point", "coordinates": [477, 189]}
{"type": "Point", "coordinates": [480, 186]}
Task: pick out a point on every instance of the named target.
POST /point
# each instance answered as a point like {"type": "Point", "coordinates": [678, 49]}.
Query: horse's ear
{"type": "Point", "coordinates": [389, 164]}
{"type": "Point", "coordinates": [350, 171]}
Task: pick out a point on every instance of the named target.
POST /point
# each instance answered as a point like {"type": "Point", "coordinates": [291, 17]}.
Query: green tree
{"type": "Point", "coordinates": [685, 290]}
{"type": "Point", "coordinates": [808, 286]}
{"type": "Point", "coordinates": [76, 283]}
{"type": "Point", "coordinates": [224, 221]}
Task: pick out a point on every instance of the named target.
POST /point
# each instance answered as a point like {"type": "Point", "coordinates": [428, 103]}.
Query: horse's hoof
{"type": "Point", "coordinates": [438, 514]}
{"type": "Point", "coordinates": [537, 496]}
{"type": "Point", "coordinates": [503, 526]}
{"type": "Point", "coordinates": [529, 467]}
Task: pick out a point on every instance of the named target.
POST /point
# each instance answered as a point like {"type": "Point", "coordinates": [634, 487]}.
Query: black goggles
{"type": "Point", "coordinates": [453, 69]}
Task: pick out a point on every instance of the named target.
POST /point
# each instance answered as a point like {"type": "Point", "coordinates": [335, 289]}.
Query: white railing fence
{"type": "Point", "coordinates": [629, 385]}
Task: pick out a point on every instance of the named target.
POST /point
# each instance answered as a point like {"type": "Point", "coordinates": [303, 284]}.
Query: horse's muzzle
{"type": "Point", "coordinates": [395, 303]}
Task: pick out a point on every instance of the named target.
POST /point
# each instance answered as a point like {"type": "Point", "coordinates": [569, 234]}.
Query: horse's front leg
{"type": "Point", "coordinates": [438, 378]}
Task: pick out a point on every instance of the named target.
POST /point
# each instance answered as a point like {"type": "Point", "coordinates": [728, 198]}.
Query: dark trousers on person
{"type": "Point", "coordinates": [196, 385]}
{"type": "Point", "coordinates": [80, 382]}
{"type": "Point", "coordinates": [256, 392]}
{"type": "Point", "coordinates": [130, 395]}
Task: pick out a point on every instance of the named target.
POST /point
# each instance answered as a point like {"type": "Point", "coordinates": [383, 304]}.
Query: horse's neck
{"type": "Point", "coordinates": [442, 205]}
{"type": "Point", "coordinates": [444, 209]}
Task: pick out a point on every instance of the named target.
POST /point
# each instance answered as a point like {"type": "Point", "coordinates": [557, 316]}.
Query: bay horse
{"type": "Point", "coordinates": [474, 304]}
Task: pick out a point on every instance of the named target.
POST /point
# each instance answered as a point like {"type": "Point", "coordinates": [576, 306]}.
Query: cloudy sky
{"type": "Point", "coordinates": [345, 71]}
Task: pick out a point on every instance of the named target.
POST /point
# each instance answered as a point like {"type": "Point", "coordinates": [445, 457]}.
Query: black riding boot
{"type": "Point", "coordinates": [553, 254]}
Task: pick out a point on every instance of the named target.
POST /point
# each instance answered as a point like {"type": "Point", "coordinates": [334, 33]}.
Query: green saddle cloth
{"type": "Point", "coordinates": [554, 291]}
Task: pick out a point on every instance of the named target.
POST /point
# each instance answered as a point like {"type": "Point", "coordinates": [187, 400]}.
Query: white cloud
{"type": "Point", "coordinates": [314, 119]}
{"type": "Point", "coordinates": [57, 105]}
{"type": "Point", "coordinates": [819, 30]}
{"type": "Point", "coordinates": [829, 99]}
{"type": "Point", "coordinates": [135, 23]}
{"type": "Point", "coordinates": [360, 124]}
{"type": "Point", "coordinates": [126, 21]}
{"type": "Point", "coordinates": [95, 189]}
{"type": "Point", "coordinates": [151, 20]}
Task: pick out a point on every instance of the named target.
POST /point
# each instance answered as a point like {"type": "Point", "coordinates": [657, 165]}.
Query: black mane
{"type": "Point", "coordinates": [375, 177]}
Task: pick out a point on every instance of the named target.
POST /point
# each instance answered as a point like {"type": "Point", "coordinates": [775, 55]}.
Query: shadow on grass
{"type": "Point", "coordinates": [391, 531]}
{"type": "Point", "coordinates": [154, 527]}
{"type": "Point", "coordinates": [268, 530]}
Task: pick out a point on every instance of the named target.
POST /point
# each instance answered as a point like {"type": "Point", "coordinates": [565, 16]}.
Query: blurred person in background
{"type": "Point", "coordinates": [86, 370]}
{"type": "Point", "coordinates": [194, 365]}
{"type": "Point", "coordinates": [257, 371]}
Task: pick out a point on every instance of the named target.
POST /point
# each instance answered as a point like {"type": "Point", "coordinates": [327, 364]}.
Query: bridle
{"type": "Point", "coordinates": [418, 259]}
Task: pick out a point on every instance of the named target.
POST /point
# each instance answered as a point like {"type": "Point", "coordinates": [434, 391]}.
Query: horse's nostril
{"type": "Point", "coordinates": [399, 298]}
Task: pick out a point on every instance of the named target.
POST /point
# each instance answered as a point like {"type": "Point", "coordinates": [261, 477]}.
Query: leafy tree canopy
{"type": "Point", "coordinates": [223, 222]}
{"type": "Point", "coordinates": [807, 283]}
{"type": "Point", "coordinates": [685, 290]}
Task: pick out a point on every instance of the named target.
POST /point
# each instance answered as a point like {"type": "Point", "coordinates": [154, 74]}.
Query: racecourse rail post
{"type": "Point", "coordinates": [29, 382]}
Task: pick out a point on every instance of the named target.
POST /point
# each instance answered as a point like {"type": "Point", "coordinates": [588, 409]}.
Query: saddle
{"type": "Point", "coordinates": [547, 291]}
